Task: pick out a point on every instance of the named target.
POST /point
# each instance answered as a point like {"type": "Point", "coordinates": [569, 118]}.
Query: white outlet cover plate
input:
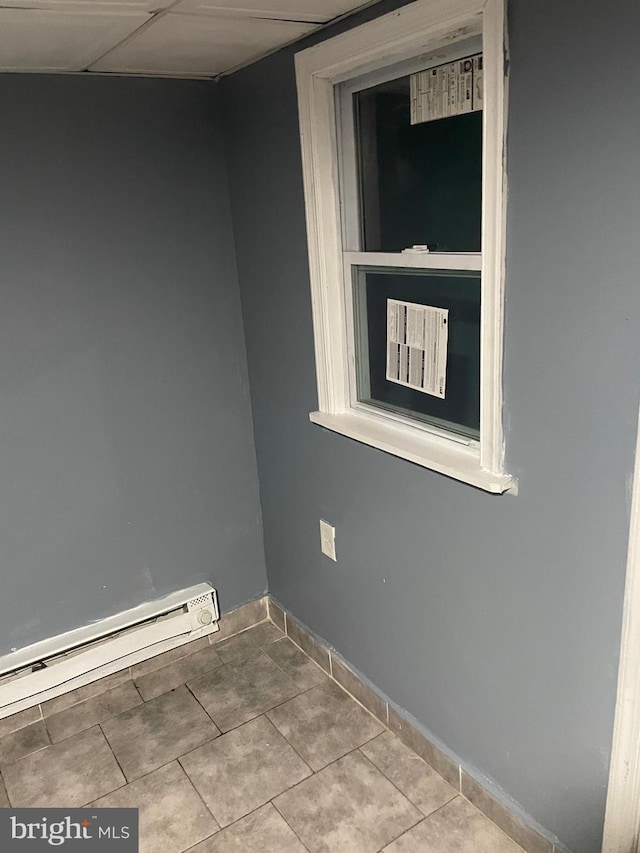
{"type": "Point", "coordinates": [328, 539]}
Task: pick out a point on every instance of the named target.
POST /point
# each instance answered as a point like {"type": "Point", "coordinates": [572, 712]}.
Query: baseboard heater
{"type": "Point", "coordinates": [51, 667]}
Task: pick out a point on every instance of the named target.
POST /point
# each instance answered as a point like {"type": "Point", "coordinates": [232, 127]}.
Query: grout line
{"type": "Point", "coordinates": [291, 698]}
{"type": "Point", "coordinates": [98, 722]}
{"type": "Point", "coordinates": [244, 630]}
{"type": "Point", "coordinates": [284, 818]}
{"type": "Point", "coordinates": [320, 769]}
{"type": "Point", "coordinates": [242, 817]}
{"type": "Point", "coordinates": [206, 712]}
{"type": "Point", "coordinates": [307, 655]}
{"type": "Point", "coordinates": [260, 714]}
{"type": "Point", "coordinates": [304, 761]}
{"type": "Point", "coordinates": [364, 707]}
{"type": "Point", "coordinates": [159, 767]}
{"type": "Point", "coordinates": [202, 800]}
{"type": "Point", "coordinates": [162, 666]}
{"type": "Point", "coordinates": [137, 779]}
{"type": "Point", "coordinates": [435, 811]}
{"type": "Point", "coordinates": [87, 698]}
{"type": "Point", "coordinates": [3, 787]}
{"type": "Point", "coordinates": [176, 686]}
{"type": "Point", "coordinates": [236, 633]}
{"type": "Point", "coordinates": [370, 740]}
{"type": "Point", "coordinates": [286, 675]}
{"type": "Point", "coordinates": [499, 828]}
{"type": "Point", "coordinates": [391, 782]}
{"type": "Point", "coordinates": [27, 754]}
{"type": "Point", "coordinates": [115, 758]}
{"type": "Point", "coordinates": [135, 687]}
{"type": "Point", "coordinates": [48, 732]}
{"type": "Point", "coordinates": [402, 834]}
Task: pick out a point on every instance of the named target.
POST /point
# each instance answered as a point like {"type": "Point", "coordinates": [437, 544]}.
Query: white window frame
{"type": "Point", "coordinates": [419, 28]}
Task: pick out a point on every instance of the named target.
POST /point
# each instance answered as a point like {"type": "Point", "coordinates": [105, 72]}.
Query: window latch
{"type": "Point", "coordinates": [416, 250]}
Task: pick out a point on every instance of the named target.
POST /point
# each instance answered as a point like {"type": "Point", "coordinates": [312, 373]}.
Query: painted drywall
{"type": "Point", "coordinates": [127, 464]}
{"type": "Point", "coordinates": [495, 621]}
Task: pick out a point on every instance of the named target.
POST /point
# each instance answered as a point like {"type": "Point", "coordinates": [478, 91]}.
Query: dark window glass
{"type": "Point", "coordinates": [459, 292]}
{"type": "Point", "coordinates": [421, 183]}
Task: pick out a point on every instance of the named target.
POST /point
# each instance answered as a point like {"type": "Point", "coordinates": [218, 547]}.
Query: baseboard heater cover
{"type": "Point", "coordinates": [54, 666]}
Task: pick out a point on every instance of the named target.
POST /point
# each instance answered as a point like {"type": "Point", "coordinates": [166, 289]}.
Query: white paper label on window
{"type": "Point", "coordinates": [447, 90]}
{"type": "Point", "coordinates": [417, 339]}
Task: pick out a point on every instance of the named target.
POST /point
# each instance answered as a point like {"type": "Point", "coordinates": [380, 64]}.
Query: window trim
{"type": "Point", "coordinates": [421, 27]}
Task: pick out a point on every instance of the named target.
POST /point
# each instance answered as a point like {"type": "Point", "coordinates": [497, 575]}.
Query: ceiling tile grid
{"type": "Point", "coordinates": [176, 38]}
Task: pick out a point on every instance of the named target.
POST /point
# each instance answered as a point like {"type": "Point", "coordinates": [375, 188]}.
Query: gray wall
{"type": "Point", "coordinates": [127, 464]}
{"type": "Point", "coordinates": [494, 620]}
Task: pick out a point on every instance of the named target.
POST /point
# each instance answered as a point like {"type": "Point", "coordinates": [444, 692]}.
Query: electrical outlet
{"type": "Point", "coordinates": [328, 539]}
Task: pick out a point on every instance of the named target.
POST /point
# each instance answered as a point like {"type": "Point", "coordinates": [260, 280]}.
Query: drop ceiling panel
{"type": "Point", "coordinates": [198, 46]}
{"type": "Point", "coordinates": [319, 11]}
{"type": "Point", "coordinates": [94, 6]}
{"type": "Point", "coordinates": [43, 40]}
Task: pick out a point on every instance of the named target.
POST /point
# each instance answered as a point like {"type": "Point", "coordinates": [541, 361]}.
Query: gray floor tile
{"type": "Point", "coordinates": [239, 619]}
{"type": "Point", "coordinates": [294, 663]}
{"type": "Point", "coordinates": [349, 807]}
{"type": "Point", "coordinates": [248, 642]}
{"type": "Point", "coordinates": [89, 713]}
{"type": "Point", "coordinates": [422, 746]}
{"type": "Point", "coordinates": [68, 774]}
{"type": "Point", "coordinates": [172, 815]}
{"type": "Point", "coordinates": [324, 724]}
{"type": "Point", "coordinates": [155, 733]}
{"type": "Point", "coordinates": [87, 691]}
{"type": "Point", "coordinates": [4, 800]}
{"type": "Point", "coordinates": [509, 823]}
{"type": "Point", "coordinates": [457, 827]}
{"type": "Point", "coordinates": [244, 769]}
{"type": "Point", "coordinates": [420, 783]}
{"type": "Point", "coordinates": [353, 685]}
{"type": "Point", "coordinates": [18, 721]}
{"type": "Point", "coordinates": [309, 644]}
{"type": "Point", "coordinates": [165, 658]}
{"type": "Point", "coordinates": [241, 691]}
{"type": "Point", "coordinates": [23, 742]}
{"type": "Point", "coordinates": [169, 677]}
{"type": "Point", "coordinates": [264, 831]}
{"type": "Point", "coordinates": [277, 615]}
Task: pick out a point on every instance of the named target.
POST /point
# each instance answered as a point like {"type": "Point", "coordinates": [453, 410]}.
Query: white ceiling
{"type": "Point", "coordinates": [192, 38]}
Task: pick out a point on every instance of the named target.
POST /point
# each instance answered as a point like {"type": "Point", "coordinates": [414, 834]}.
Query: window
{"type": "Point", "coordinates": [402, 128]}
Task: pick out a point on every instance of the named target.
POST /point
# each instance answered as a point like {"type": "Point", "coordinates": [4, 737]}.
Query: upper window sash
{"type": "Point", "coordinates": [346, 132]}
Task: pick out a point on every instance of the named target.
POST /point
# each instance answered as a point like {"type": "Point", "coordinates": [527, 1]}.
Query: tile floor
{"type": "Point", "coordinates": [243, 745]}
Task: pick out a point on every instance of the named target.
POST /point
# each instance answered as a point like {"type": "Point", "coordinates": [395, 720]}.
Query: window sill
{"type": "Point", "coordinates": [453, 460]}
